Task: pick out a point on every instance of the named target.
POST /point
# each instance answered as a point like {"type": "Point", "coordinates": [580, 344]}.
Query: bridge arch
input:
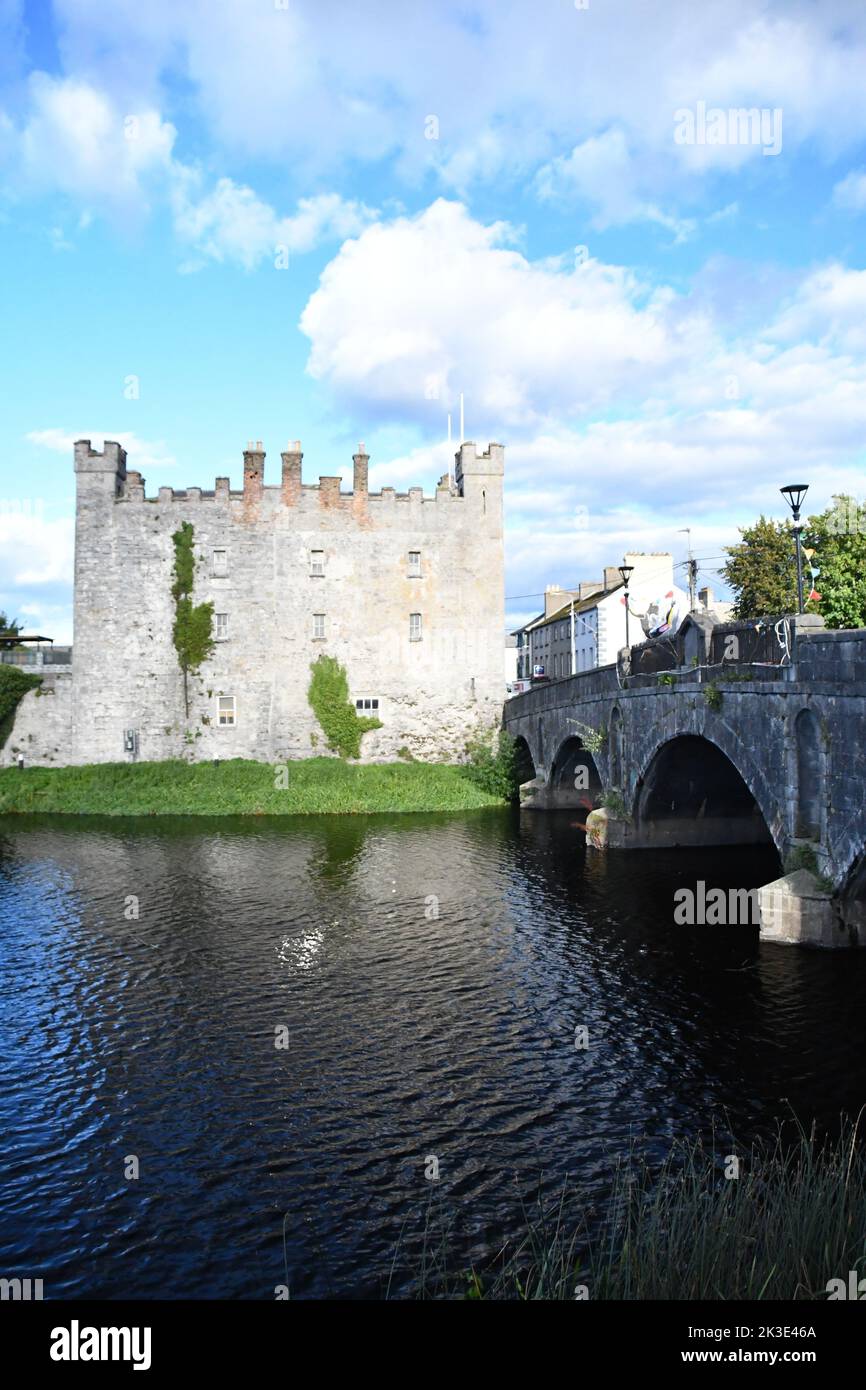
{"type": "Point", "coordinates": [525, 765]}
{"type": "Point", "coordinates": [574, 777]}
{"type": "Point", "coordinates": [695, 790]}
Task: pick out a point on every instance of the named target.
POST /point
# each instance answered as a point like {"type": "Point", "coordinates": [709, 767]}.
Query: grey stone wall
{"type": "Point", "coordinates": [43, 725]}
{"type": "Point", "coordinates": [432, 692]}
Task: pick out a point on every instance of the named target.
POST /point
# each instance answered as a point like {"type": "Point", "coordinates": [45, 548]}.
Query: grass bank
{"type": "Point", "coordinates": [792, 1221]}
{"type": "Point", "coordinates": [239, 787]}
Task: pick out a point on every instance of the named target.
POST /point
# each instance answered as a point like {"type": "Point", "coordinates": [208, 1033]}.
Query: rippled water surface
{"type": "Point", "coordinates": [430, 973]}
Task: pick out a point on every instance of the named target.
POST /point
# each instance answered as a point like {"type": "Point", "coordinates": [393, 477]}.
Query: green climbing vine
{"type": "Point", "coordinates": [14, 685]}
{"type": "Point", "coordinates": [328, 694]}
{"type": "Point", "coordinates": [193, 623]}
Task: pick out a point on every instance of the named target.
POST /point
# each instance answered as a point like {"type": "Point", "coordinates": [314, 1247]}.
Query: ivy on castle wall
{"type": "Point", "coordinates": [14, 685]}
{"type": "Point", "coordinates": [193, 623]}
{"type": "Point", "coordinates": [328, 695]}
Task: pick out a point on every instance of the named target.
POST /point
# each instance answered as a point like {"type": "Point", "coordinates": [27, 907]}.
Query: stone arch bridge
{"type": "Point", "coordinates": [716, 751]}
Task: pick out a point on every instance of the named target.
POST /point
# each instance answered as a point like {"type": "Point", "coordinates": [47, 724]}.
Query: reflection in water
{"type": "Point", "coordinates": [429, 973]}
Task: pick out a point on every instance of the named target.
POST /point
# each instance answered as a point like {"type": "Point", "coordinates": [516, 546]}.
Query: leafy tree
{"type": "Point", "coordinates": [762, 571]}
{"type": "Point", "coordinates": [8, 625]}
{"type": "Point", "coordinates": [838, 537]}
{"type": "Point", "coordinates": [193, 623]}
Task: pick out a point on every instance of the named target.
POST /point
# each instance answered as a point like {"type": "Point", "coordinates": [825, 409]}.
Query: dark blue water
{"type": "Point", "coordinates": [411, 1035]}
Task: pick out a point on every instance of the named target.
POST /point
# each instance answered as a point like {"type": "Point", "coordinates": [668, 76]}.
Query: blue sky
{"type": "Point", "coordinates": [323, 221]}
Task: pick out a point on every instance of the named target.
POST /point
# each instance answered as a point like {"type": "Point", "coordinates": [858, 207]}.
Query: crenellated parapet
{"type": "Point", "coordinates": [477, 478]}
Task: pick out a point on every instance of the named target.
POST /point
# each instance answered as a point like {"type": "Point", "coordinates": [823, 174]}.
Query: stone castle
{"type": "Point", "coordinates": [406, 591]}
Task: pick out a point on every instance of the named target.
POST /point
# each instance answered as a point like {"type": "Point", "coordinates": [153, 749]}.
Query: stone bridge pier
{"type": "Point", "coordinates": [720, 753]}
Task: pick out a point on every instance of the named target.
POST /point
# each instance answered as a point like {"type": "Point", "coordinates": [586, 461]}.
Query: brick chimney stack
{"type": "Point", "coordinates": [254, 471]}
{"type": "Point", "coordinates": [361, 460]}
{"type": "Point", "coordinates": [291, 492]}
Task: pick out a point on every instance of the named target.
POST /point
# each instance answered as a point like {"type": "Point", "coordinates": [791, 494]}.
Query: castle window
{"type": "Point", "coordinates": [367, 705]}
{"type": "Point", "coordinates": [414, 564]}
{"type": "Point", "coordinates": [318, 625]}
{"type": "Point", "coordinates": [317, 565]}
{"type": "Point", "coordinates": [222, 626]}
{"type": "Point", "coordinates": [414, 627]}
{"type": "Point", "coordinates": [226, 711]}
{"type": "Point", "coordinates": [220, 563]}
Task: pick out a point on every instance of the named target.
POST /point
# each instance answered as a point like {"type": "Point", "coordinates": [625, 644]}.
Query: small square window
{"type": "Point", "coordinates": [414, 564]}
{"type": "Point", "coordinates": [317, 564]}
{"type": "Point", "coordinates": [367, 705]}
{"type": "Point", "coordinates": [221, 631]}
{"type": "Point", "coordinates": [220, 563]}
{"type": "Point", "coordinates": [414, 627]}
{"type": "Point", "coordinates": [226, 711]}
{"type": "Point", "coordinates": [318, 625]}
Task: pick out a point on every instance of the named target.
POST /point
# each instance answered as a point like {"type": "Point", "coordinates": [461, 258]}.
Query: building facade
{"type": "Point", "coordinates": [406, 591]}
{"type": "Point", "coordinates": [583, 628]}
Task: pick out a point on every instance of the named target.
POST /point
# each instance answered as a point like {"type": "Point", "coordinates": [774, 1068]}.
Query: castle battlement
{"type": "Point", "coordinates": [470, 465]}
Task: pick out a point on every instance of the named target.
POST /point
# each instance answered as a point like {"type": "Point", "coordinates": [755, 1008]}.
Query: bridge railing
{"type": "Point", "coordinates": [749, 643]}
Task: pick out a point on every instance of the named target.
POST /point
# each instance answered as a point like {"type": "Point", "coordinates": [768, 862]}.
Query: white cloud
{"type": "Point", "coordinates": [232, 224]}
{"type": "Point", "coordinates": [142, 453]}
{"type": "Point", "coordinates": [75, 141]}
{"type": "Point", "coordinates": [414, 311]}
{"type": "Point", "coordinates": [642, 407]}
{"type": "Point", "coordinates": [850, 192]}
{"type": "Point", "coordinates": [512, 87]}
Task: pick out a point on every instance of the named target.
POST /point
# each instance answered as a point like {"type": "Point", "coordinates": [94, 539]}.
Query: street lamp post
{"type": "Point", "coordinates": [626, 572]}
{"type": "Point", "coordinates": [793, 495]}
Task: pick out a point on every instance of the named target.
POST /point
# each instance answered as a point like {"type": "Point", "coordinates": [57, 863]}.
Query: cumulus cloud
{"type": "Point", "coordinates": [512, 88]}
{"type": "Point", "coordinates": [143, 454]}
{"type": "Point", "coordinates": [230, 223]}
{"type": "Point", "coordinates": [607, 393]}
{"type": "Point", "coordinates": [74, 140]}
{"type": "Point", "coordinates": [412, 312]}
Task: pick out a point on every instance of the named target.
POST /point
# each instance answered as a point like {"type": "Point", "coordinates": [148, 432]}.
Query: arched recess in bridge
{"type": "Point", "coordinates": [524, 764]}
{"type": "Point", "coordinates": [809, 775]}
{"type": "Point", "coordinates": [574, 779]}
{"type": "Point", "coordinates": [692, 794]}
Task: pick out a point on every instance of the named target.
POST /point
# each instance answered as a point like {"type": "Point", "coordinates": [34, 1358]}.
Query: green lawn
{"type": "Point", "coordinates": [239, 787]}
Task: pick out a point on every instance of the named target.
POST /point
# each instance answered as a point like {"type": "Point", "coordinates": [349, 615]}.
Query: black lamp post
{"type": "Point", "coordinates": [793, 495]}
{"type": "Point", "coordinates": [626, 572]}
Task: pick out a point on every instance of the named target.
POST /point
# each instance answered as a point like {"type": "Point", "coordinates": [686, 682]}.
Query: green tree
{"type": "Point", "coordinates": [838, 537]}
{"type": "Point", "coordinates": [8, 625]}
{"type": "Point", "coordinates": [761, 570]}
{"type": "Point", "coordinates": [193, 623]}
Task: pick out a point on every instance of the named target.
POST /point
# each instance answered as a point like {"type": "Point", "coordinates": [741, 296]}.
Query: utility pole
{"type": "Point", "coordinates": [692, 570]}
{"type": "Point", "coordinates": [573, 667]}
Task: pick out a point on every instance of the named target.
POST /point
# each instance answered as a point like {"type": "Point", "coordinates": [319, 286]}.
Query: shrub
{"type": "Point", "coordinates": [494, 771]}
{"type": "Point", "coordinates": [328, 694]}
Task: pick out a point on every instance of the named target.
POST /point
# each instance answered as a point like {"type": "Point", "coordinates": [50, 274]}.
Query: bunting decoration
{"type": "Point", "coordinates": [813, 596]}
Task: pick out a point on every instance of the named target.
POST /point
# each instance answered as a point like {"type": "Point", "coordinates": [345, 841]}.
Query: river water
{"type": "Point", "coordinates": [426, 975]}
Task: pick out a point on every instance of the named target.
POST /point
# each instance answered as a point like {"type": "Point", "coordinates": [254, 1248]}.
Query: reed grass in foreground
{"type": "Point", "coordinates": [240, 787]}
{"type": "Point", "coordinates": [794, 1220]}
